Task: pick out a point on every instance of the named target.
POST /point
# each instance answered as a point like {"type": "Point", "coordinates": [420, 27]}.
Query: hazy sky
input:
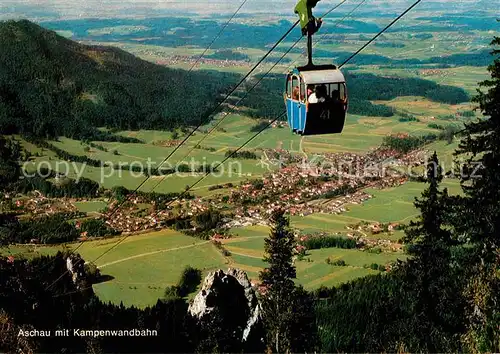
{"type": "Point", "coordinates": [54, 9]}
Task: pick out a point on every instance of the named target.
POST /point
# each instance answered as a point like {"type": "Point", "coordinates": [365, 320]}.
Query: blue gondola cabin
{"type": "Point", "coordinates": [316, 100]}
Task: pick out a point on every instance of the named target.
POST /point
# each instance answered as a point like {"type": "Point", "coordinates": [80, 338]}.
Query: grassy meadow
{"type": "Point", "coordinates": [142, 266]}
{"type": "Point", "coordinates": [361, 134]}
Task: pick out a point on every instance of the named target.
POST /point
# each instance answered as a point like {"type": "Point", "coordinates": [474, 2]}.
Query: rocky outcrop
{"type": "Point", "coordinates": [251, 296]}
{"type": "Point", "coordinates": [75, 266]}
{"type": "Point", "coordinates": [228, 292]}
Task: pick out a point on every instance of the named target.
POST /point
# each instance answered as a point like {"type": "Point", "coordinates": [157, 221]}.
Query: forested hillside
{"type": "Point", "coordinates": [52, 86]}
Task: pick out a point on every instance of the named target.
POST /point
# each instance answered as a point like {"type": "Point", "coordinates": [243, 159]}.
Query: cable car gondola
{"type": "Point", "coordinates": [315, 95]}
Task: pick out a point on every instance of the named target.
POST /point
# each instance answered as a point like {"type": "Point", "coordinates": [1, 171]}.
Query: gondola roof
{"type": "Point", "coordinates": [322, 76]}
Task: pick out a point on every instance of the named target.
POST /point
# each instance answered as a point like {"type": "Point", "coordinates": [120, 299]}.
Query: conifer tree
{"type": "Point", "coordinates": [481, 174]}
{"type": "Point", "coordinates": [278, 282]}
{"type": "Point", "coordinates": [427, 233]}
{"type": "Point", "coordinates": [479, 209]}
{"type": "Point", "coordinates": [287, 311]}
{"type": "Point", "coordinates": [9, 156]}
{"type": "Point", "coordinates": [428, 273]}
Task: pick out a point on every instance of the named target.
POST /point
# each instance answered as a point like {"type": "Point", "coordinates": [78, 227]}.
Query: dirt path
{"type": "Point", "coordinates": [241, 239]}
{"type": "Point", "coordinates": [151, 253]}
{"type": "Point", "coordinates": [245, 254]}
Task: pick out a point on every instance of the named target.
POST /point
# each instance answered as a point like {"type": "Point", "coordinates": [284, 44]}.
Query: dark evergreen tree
{"type": "Point", "coordinates": [10, 338]}
{"type": "Point", "coordinates": [479, 214]}
{"type": "Point", "coordinates": [287, 313]}
{"type": "Point", "coordinates": [278, 282]}
{"type": "Point", "coordinates": [428, 274]}
{"type": "Point", "coordinates": [303, 329]}
{"type": "Point", "coordinates": [216, 336]}
{"type": "Point", "coordinates": [10, 153]}
{"type": "Point", "coordinates": [189, 281]}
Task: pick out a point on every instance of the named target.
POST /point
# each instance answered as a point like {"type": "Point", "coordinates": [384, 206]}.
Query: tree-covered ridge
{"type": "Point", "coordinates": [476, 58]}
{"type": "Point", "coordinates": [52, 86]}
{"type": "Point", "coordinates": [480, 211]}
{"type": "Point", "coordinates": [186, 31]}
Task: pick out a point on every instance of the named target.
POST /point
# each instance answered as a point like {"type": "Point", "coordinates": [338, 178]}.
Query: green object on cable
{"type": "Point", "coordinates": [304, 10]}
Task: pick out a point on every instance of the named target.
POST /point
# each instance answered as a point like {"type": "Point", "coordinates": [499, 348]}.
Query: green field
{"type": "Point", "coordinates": [91, 206]}
{"type": "Point", "coordinates": [142, 266]}
{"type": "Point", "coordinates": [313, 271]}
{"type": "Point", "coordinates": [360, 135]}
{"type": "Point", "coordinates": [387, 205]}
{"type": "Point", "coordinates": [141, 281]}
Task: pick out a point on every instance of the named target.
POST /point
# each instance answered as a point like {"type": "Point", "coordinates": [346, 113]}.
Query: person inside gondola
{"type": "Point", "coordinates": [337, 104]}
{"type": "Point", "coordinates": [335, 96]}
{"type": "Point", "coordinates": [319, 94]}
{"type": "Point", "coordinates": [296, 93]}
{"type": "Point", "coordinates": [310, 90]}
{"type": "Point", "coordinates": [313, 98]}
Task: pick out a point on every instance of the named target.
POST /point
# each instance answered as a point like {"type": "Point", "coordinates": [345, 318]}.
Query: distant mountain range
{"type": "Point", "coordinates": [51, 86]}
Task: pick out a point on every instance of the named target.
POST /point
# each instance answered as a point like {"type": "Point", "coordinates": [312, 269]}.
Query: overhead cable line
{"type": "Point", "coordinates": [202, 121]}
{"type": "Point", "coordinates": [217, 36]}
{"type": "Point", "coordinates": [323, 36]}
{"type": "Point", "coordinates": [282, 114]}
{"type": "Point", "coordinates": [380, 33]}
{"type": "Point", "coordinates": [207, 116]}
{"type": "Point", "coordinates": [251, 138]}
{"type": "Point", "coordinates": [219, 122]}
{"type": "Point", "coordinates": [214, 110]}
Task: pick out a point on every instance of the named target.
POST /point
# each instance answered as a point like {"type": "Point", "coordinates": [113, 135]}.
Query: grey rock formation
{"type": "Point", "coordinates": [251, 296]}
{"type": "Point", "coordinates": [216, 289]}
{"type": "Point", "coordinates": [75, 266]}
